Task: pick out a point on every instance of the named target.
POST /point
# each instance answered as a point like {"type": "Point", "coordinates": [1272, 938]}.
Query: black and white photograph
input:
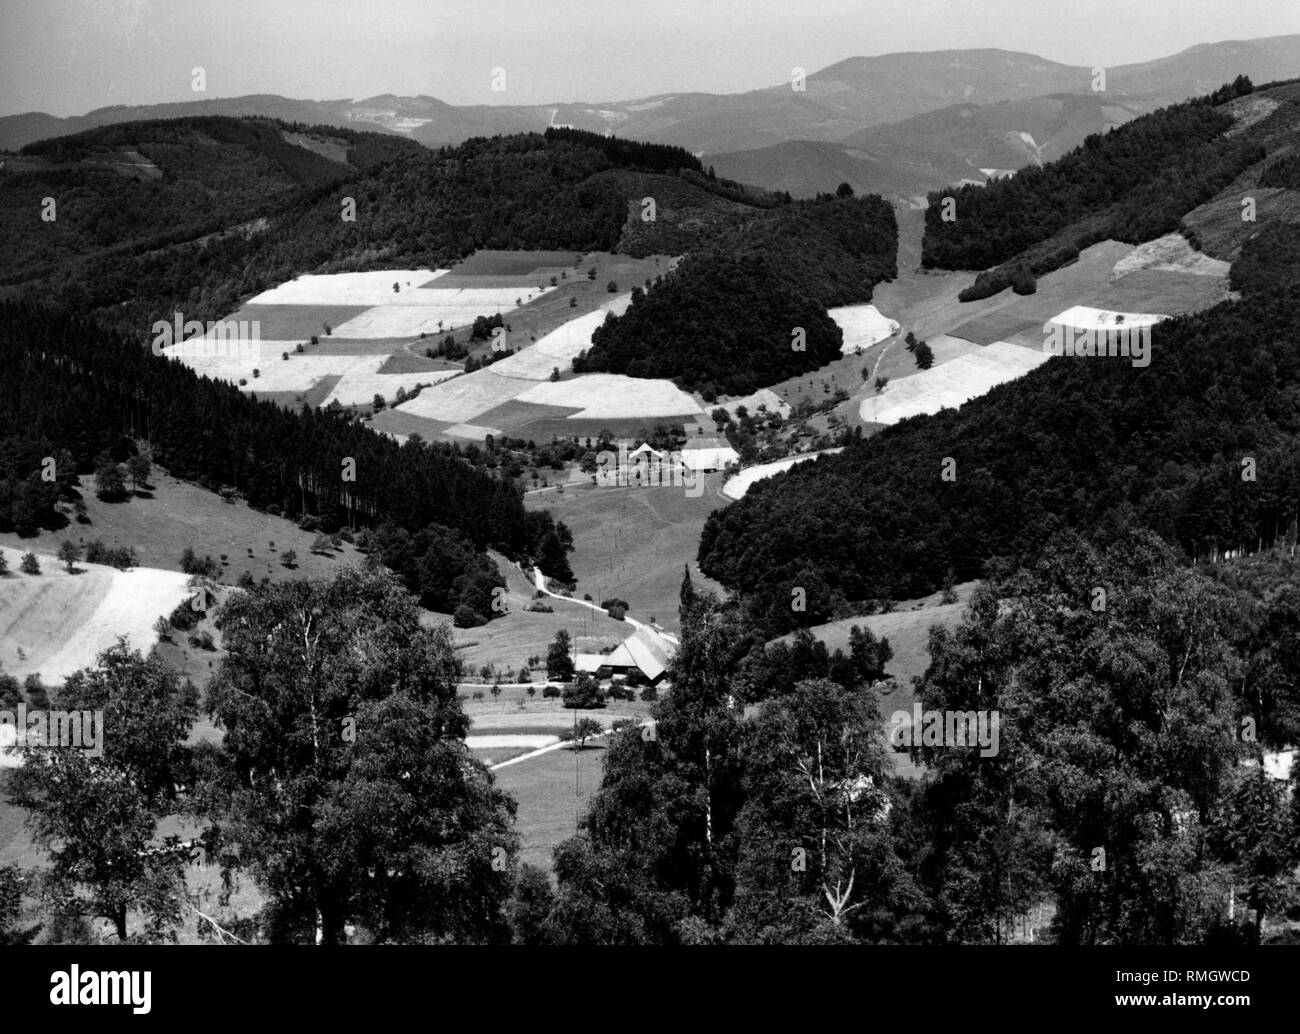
{"type": "Point", "coordinates": [497, 480]}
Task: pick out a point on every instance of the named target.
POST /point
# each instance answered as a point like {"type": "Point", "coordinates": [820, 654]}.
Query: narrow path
{"type": "Point", "coordinates": [539, 580]}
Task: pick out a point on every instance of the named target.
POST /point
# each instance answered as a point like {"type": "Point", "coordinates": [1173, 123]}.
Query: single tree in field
{"type": "Point", "coordinates": [109, 482]}
{"type": "Point", "coordinates": [97, 816]}
{"type": "Point", "coordinates": [139, 467]}
{"type": "Point", "coordinates": [288, 558]}
{"type": "Point", "coordinates": [495, 690]}
{"type": "Point", "coordinates": [29, 564]}
{"type": "Point", "coordinates": [584, 730]}
{"type": "Point", "coordinates": [559, 658]}
{"type": "Point", "coordinates": [69, 553]}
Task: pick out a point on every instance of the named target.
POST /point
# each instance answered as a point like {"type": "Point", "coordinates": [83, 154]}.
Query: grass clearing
{"type": "Point", "coordinates": [552, 791]}
{"type": "Point", "coordinates": [55, 623]}
{"type": "Point", "coordinates": [177, 514]}
{"type": "Point", "coordinates": [633, 543]}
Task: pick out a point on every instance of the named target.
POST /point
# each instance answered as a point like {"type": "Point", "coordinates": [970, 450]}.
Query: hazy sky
{"type": "Point", "coordinates": [69, 56]}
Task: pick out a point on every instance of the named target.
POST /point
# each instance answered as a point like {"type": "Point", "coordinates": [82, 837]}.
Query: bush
{"type": "Point", "coordinates": [203, 640]}
{"type": "Point", "coordinates": [466, 617]}
{"type": "Point", "coordinates": [184, 617]}
{"type": "Point", "coordinates": [649, 693]}
{"type": "Point", "coordinates": [540, 608]}
{"type": "Point", "coordinates": [550, 691]}
{"type": "Point", "coordinates": [29, 564]}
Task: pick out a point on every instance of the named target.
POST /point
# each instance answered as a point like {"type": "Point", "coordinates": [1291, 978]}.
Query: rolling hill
{"type": "Point", "coordinates": [1088, 446]}
{"type": "Point", "coordinates": [840, 100]}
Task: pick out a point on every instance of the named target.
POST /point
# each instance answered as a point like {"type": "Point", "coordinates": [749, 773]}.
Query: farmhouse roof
{"type": "Point", "coordinates": [648, 651]}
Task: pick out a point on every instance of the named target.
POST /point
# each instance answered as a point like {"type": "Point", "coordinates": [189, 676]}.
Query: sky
{"type": "Point", "coordinates": [70, 56]}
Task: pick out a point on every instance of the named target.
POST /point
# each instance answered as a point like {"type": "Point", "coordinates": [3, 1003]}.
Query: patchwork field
{"type": "Point", "coordinates": [371, 338]}
{"type": "Point", "coordinates": [950, 384]}
{"type": "Point", "coordinates": [600, 396]}
{"type": "Point", "coordinates": [558, 349]}
{"type": "Point", "coordinates": [55, 623]}
{"type": "Point", "coordinates": [1163, 276]}
{"type": "Point", "coordinates": [487, 401]}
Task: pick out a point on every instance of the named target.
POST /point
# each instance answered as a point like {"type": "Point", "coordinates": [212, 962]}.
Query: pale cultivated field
{"type": "Point", "coordinates": [372, 288]}
{"type": "Point", "coordinates": [461, 399]}
{"type": "Point", "coordinates": [1083, 317]}
{"type": "Point", "coordinates": [360, 388]}
{"type": "Point", "coordinates": [359, 382]}
{"type": "Point", "coordinates": [558, 348]}
{"type": "Point", "coordinates": [1170, 254]}
{"type": "Point", "coordinates": [862, 326]}
{"type": "Point", "coordinates": [951, 384]}
{"type": "Point", "coordinates": [431, 310]}
{"type": "Point", "coordinates": [62, 621]}
{"type": "Point", "coordinates": [737, 486]}
{"type": "Point", "coordinates": [608, 395]}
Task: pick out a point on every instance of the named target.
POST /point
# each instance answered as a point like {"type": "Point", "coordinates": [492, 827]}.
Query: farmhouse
{"type": "Point", "coordinates": [644, 652]}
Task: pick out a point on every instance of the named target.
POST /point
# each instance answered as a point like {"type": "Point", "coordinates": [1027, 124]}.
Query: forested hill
{"type": "Point", "coordinates": [1203, 446]}
{"type": "Point", "coordinates": [723, 321]}
{"type": "Point", "coordinates": [200, 214]}
{"type": "Point", "coordinates": [1132, 184]}
{"type": "Point", "coordinates": [85, 396]}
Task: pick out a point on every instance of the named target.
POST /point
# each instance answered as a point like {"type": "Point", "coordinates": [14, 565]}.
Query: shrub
{"type": "Point", "coordinates": [466, 617]}
{"type": "Point", "coordinates": [184, 617]}
{"type": "Point", "coordinates": [29, 564]}
{"type": "Point", "coordinates": [550, 691]}
{"type": "Point", "coordinates": [649, 693]}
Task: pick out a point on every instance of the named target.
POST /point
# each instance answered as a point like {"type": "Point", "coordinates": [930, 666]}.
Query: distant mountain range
{"type": "Point", "coordinates": [897, 124]}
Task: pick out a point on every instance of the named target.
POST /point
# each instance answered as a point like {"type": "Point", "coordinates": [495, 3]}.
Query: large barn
{"type": "Point", "coordinates": [643, 651]}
